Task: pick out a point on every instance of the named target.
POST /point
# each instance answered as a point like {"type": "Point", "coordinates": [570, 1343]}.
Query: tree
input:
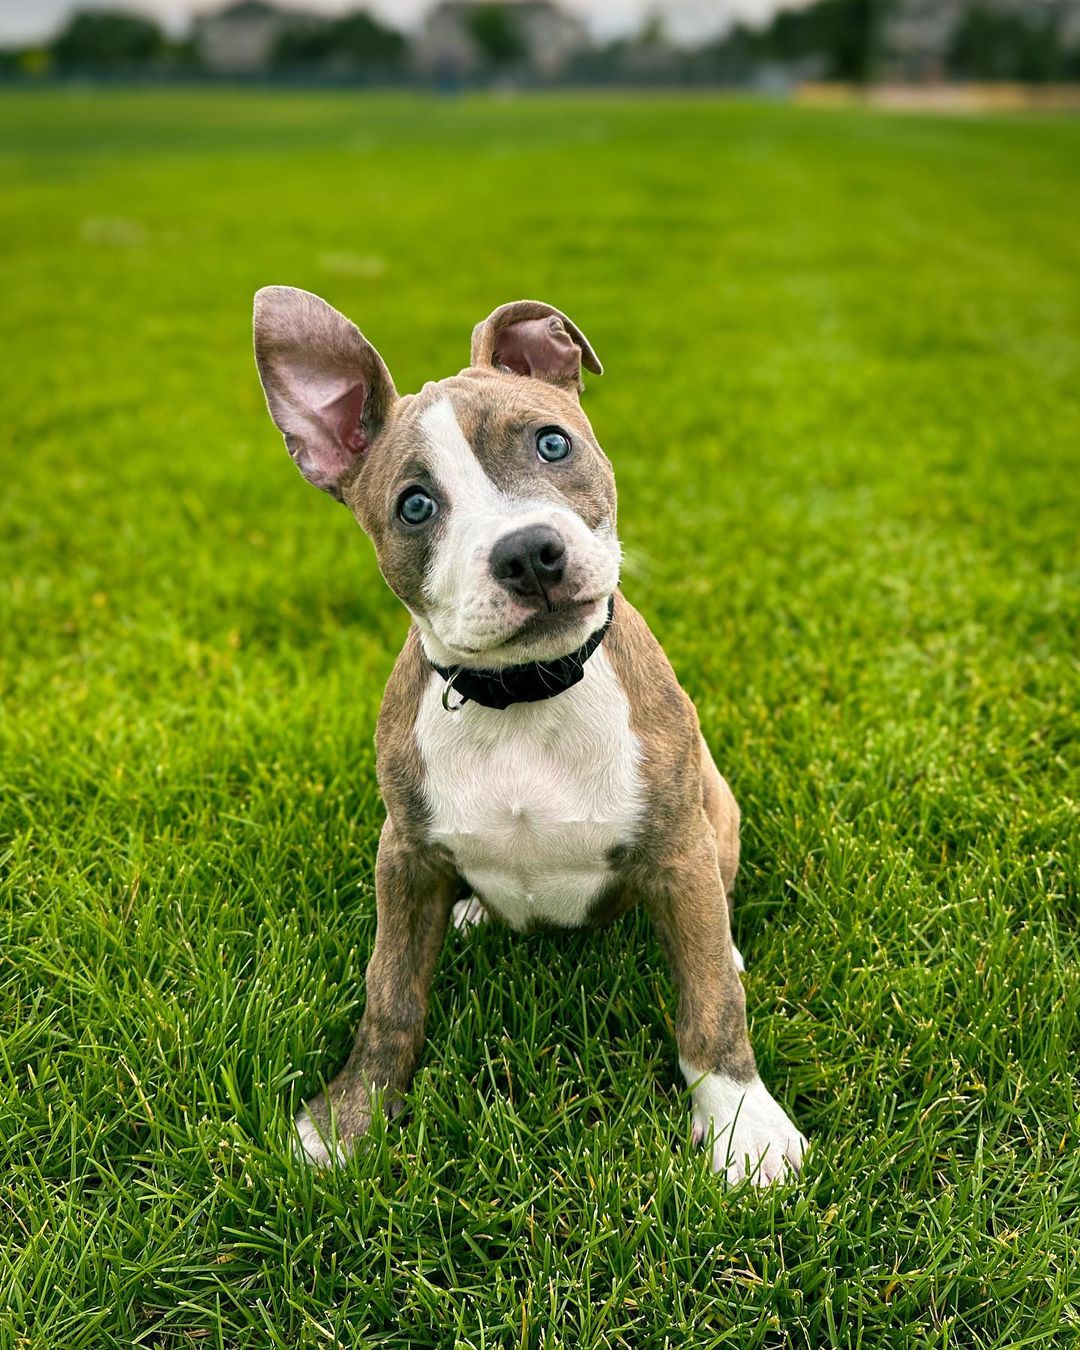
{"type": "Point", "coordinates": [367, 41]}
{"type": "Point", "coordinates": [495, 31]}
{"type": "Point", "coordinates": [302, 42]}
{"type": "Point", "coordinates": [843, 32]}
{"type": "Point", "coordinates": [356, 40]}
{"type": "Point", "coordinates": [989, 45]}
{"type": "Point", "coordinates": [108, 40]}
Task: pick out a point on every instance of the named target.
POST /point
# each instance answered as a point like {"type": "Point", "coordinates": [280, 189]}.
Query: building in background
{"type": "Point", "coordinates": [464, 37]}
{"type": "Point", "coordinates": [241, 38]}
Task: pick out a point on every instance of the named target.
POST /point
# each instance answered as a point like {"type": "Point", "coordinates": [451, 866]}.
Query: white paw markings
{"type": "Point", "coordinates": [749, 1134]}
{"type": "Point", "coordinates": [309, 1145]}
{"type": "Point", "coordinates": [468, 913]}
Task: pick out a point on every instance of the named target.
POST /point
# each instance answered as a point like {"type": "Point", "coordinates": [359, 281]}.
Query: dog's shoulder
{"type": "Point", "coordinates": [659, 706]}
{"type": "Point", "coordinates": [665, 722]}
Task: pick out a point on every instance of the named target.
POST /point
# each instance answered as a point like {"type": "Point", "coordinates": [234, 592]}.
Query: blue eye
{"type": "Point", "coordinates": [415, 506]}
{"type": "Point", "coordinates": [552, 444]}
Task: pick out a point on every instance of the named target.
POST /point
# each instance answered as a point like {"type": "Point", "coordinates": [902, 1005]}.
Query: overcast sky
{"type": "Point", "coordinates": [27, 20]}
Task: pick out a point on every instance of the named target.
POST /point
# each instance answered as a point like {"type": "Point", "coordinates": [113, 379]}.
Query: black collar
{"type": "Point", "coordinates": [530, 683]}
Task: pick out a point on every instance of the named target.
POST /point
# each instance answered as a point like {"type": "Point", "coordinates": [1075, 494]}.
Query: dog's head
{"type": "Point", "coordinates": [490, 504]}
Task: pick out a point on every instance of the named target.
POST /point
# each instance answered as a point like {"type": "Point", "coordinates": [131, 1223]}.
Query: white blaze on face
{"type": "Point", "coordinates": [468, 612]}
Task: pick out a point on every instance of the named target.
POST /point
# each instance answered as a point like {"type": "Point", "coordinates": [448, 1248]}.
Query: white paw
{"type": "Point", "coordinates": [468, 913]}
{"type": "Point", "coordinates": [737, 957]}
{"type": "Point", "coordinates": [309, 1145]}
{"type": "Point", "coordinates": [751, 1136]}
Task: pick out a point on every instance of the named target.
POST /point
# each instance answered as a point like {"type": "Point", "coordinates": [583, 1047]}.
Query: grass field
{"type": "Point", "coordinates": [843, 401]}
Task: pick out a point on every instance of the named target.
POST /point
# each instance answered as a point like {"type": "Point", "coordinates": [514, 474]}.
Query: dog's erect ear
{"type": "Point", "coordinates": [326, 386]}
{"type": "Point", "coordinates": [527, 337]}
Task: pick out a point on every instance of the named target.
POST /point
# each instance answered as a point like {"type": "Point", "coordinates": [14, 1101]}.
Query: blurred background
{"type": "Point", "coordinates": [766, 45]}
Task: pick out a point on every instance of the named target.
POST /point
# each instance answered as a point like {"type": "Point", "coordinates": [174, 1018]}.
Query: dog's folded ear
{"type": "Point", "coordinates": [326, 386]}
{"type": "Point", "coordinates": [527, 337]}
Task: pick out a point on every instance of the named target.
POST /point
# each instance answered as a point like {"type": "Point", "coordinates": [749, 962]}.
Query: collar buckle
{"type": "Point", "coordinates": [456, 707]}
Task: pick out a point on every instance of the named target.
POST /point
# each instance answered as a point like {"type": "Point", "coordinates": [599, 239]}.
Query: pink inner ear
{"type": "Point", "coordinates": [342, 415]}
{"type": "Point", "coordinates": [320, 413]}
{"type": "Point", "coordinates": [541, 348]}
{"type": "Point", "coordinates": [326, 409]}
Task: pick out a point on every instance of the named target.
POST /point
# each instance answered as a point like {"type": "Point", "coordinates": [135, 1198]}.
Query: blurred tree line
{"type": "Point", "coordinates": [121, 42]}
{"type": "Point", "coordinates": [990, 45]}
{"type": "Point", "coordinates": [840, 40]}
{"type": "Point", "coordinates": [846, 40]}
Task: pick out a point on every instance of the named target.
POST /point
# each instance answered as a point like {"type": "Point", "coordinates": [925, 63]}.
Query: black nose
{"type": "Point", "coordinates": [530, 561]}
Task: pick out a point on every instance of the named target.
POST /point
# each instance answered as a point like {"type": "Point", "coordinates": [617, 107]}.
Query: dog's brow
{"type": "Point", "coordinates": [416, 466]}
{"type": "Point", "coordinates": [452, 458]}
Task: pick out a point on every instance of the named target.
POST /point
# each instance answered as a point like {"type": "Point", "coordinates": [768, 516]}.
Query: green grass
{"type": "Point", "coordinates": [843, 402]}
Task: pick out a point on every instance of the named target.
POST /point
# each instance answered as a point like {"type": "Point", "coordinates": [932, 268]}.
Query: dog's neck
{"type": "Point", "coordinates": [528, 683]}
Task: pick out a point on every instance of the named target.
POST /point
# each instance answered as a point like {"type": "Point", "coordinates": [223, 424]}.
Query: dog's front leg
{"type": "Point", "coordinates": [749, 1133]}
{"type": "Point", "coordinates": [414, 894]}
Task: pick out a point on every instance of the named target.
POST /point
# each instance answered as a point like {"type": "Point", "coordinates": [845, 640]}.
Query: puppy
{"type": "Point", "coordinates": [538, 760]}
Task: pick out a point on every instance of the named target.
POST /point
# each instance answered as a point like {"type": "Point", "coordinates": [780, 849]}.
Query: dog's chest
{"type": "Point", "coordinates": [531, 800]}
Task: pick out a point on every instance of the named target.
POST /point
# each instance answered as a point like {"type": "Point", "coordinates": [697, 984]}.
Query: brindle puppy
{"type": "Point", "coordinates": [535, 751]}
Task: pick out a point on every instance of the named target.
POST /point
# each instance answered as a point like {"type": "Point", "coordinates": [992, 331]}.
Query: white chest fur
{"type": "Point", "coordinates": [531, 799]}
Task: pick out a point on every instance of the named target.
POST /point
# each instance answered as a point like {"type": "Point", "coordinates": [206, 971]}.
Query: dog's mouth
{"type": "Point", "coordinates": [554, 619]}
{"type": "Point", "coordinates": [554, 631]}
